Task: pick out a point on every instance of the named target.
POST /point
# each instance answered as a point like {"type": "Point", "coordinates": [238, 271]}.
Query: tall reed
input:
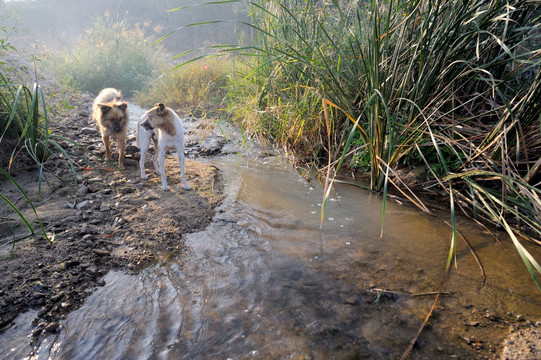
{"type": "Point", "coordinates": [454, 85]}
{"type": "Point", "coordinates": [24, 126]}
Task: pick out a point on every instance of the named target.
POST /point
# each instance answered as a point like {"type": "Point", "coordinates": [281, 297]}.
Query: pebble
{"type": "Point", "coordinates": [105, 207]}
{"type": "Point", "coordinates": [42, 311]}
{"type": "Point", "coordinates": [71, 263]}
{"type": "Point", "coordinates": [88, 131]}
{"type": "Point", "coordinates": [101, 252]}
{"type": "Point", "coordinates": [92, 270]}
{"type": "Point", "coordinates": [84, 205]}
{"type": "Point", "coordinates": [52, 327]}
{"type": "Point", "coordinates": [95, 180]}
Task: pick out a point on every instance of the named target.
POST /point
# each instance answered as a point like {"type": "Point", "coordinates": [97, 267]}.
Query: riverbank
{"type": "Point", "coordinates": [110, 219]}
{"type": "Point", "coordinates": [115, 220]}
{"type": "Point", "coordinates": [96, 220]}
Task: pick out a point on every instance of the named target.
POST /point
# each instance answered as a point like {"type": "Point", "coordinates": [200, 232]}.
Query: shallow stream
{"type": "Point", "coordinates": [266, 281]}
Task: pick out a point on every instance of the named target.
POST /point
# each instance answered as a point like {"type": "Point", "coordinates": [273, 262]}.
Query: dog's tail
{"type": "Point", "coordinates": [143, 118]}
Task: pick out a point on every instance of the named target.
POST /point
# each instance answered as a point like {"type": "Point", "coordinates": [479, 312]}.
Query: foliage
{"type": "Point", "coordinates": [110, 54]}
{"type": "Point", "coordinates": [198, 88]}
{"type": "Point", "coordinates": [24, 125]}
{"type": "Point", "coordinates": [453, 84]}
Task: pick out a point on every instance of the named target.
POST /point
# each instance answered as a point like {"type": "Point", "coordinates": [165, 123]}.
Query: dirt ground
{"type": "Point", "coordinates": [108, 219]}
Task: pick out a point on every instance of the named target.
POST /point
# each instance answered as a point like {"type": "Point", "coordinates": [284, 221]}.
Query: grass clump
{"type": "Point", "coordinates": [110, 54]}
{"type": "Point", "coordinates": [453, 87]}
{"type": "Point", "coordinates": [25, 137]}
{"type": "Point", "coordinates": [197, 88]}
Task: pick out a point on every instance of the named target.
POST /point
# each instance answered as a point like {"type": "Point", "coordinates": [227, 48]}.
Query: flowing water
{"type": "Point", "coordinates": [267, 280]}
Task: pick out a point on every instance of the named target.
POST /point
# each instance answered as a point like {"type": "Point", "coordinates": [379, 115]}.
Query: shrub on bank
{"type": "Point", "coordinates": [110, 54]}
{"type": "Point", "coordinates": [198, 88]}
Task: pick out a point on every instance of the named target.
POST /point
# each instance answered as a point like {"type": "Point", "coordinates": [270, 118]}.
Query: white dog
{"type": "Point", "coordinates": [164, 127]}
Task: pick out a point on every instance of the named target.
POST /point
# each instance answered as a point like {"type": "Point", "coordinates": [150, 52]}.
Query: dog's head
{"type": "Point", "coordinates": [114, 116]}
{"type": "Point", "coordinates": [159, 117]}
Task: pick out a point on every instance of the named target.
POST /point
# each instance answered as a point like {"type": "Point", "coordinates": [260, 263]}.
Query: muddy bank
{"type": "Point", "coordinates": [97, 219]}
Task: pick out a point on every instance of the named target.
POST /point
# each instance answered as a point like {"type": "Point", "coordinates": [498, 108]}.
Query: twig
{"type": "Point", "coordinates": [430, 293]}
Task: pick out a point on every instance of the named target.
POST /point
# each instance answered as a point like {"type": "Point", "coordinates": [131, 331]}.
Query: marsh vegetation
{"type": "Point", "coordinates": [428, 97]}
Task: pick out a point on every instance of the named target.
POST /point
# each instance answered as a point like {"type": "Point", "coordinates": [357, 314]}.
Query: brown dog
{"type": "Point", "coordinates": [111, 115]}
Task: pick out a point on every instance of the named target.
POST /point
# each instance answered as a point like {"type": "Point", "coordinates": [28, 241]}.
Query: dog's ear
{"type": "Point", "coordinates": [161, 109]}
{"type": "Point", "coordinates": [123, 106]}
{"type": "Point", "coordinates": [104, 108]}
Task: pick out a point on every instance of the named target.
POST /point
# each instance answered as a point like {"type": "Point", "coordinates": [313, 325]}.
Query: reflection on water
{"type": "Point", "coordinates": [266, 280]}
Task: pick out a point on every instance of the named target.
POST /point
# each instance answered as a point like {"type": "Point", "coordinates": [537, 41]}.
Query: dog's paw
{"type": "Point", "coordinates": [144, 176]}
{"type": "Point", "coordinates": [165, 188]}
{"type": "Point", "coordinates": [187, 187]}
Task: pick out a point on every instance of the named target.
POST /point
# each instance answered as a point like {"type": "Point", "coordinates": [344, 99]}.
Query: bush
{"type": "Point", "coordinates": [110, 54]}
{"type": "Point", "coordinates": [197, 88]}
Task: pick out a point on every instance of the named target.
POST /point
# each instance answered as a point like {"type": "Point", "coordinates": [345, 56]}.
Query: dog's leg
{"type": "Point", "coordinates": [143, 146]}
{"type": "Point", "coordinates": [121, 144]}
{"type": "Point", "coordinates": [181, 164]}
{"type": "Point", "coordinates": [156, 153]}
{"type": "Point", "coordinates": [107, 143]}
{"type": "Point", "coordinates": [162, 168]}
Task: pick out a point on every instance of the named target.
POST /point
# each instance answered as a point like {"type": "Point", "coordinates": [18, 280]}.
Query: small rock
{"type": "Point", "coordinates": [84, 205]}
{"type": "Point", "coordinates": [52, 327]}
{"type": "Point", "coordinates": [38, 295]}
{"type": "Point", "coordinates": [105, 207]}
{"type": "Point", "coordinates": [42, 311]}
{"type": "Point", "coordinates": [127, 190]}
{"type": "Point", "coordinates": [71, 263]}
{"type": "Point", "coordinates": [39, 287]}
{"type": "Point", "coordinates": [88, 131]}
{"type": "Point", "coordinates": [84, 229]}
{"type": "Point", "coordinates": [493, 317]}
{"type": "Point", "coordinates": [92, 270]}
{"type": "Point", "coordinates": [101, 252]}
{"type": "Point", "coordinates": [95, 180]}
